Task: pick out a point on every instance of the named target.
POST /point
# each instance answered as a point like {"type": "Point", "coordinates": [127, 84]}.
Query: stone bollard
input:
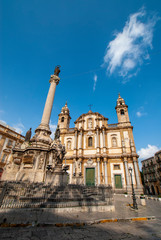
{"type": "Point", "coordinates": [142, 199]}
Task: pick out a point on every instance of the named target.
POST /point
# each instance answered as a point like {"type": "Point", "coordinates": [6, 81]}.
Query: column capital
{"type": "Point", "coordinates": [98, 159]}
{"type": "Point", "coordinates": [97, 128]}
{"type": "Point", "coordinates": [105, 159]}
{"type": "Point", "coordinates": [55, 79]}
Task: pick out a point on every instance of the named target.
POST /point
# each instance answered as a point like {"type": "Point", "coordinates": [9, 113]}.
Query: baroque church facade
{"type": "Point", "coordinates": [99, 153]}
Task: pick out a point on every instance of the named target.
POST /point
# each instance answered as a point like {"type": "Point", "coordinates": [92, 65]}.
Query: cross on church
{"type": "Point", "coordinates": [90, 106]}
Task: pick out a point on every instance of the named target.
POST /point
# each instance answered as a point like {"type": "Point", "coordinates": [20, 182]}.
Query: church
{"type": "Point", "coordinates": [99, 153]}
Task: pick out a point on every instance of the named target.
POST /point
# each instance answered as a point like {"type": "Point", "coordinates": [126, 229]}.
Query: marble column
{"type": "Point", "coordinates": [98, 170]}
{"type": "Point", "coordinates": [126, 173]}
{"type": "Point", "coordinates": [97, 140]}
{"type": "Point", "coordinates": [80, 166]}
{"type": "Point", "coordinates": [105, 167]}
{"type": "Point", "coordinates": [44, 125]}
{"type": "Point", "coordinates": [136, 171]}
{"type": "Point", "coordinates": [74, 163]}
{"type": "Point", "coordinates": [80, 140]}
{"type": "Point", "coordinates": [104, 145]}
{"type": "Point", "coordinates": [75, 140]}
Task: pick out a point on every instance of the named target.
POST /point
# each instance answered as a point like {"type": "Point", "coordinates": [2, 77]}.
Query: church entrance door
{"type": "Point", "coordinates": [90, 176]}
{"type": "Point", "coordinates": [118, 182]}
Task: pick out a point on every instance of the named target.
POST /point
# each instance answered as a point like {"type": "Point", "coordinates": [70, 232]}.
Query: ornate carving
{"type": "Point", "coordinates": [41, 161]}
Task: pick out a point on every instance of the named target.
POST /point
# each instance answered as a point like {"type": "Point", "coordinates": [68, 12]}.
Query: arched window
{"type": "Point", "coordinates": [114, 142]}
{"type": "Point", "coordinates": [69, 145]}
{"type": "Point", "coordinates": [90, 142]}
{"type": "Point", "coordinates": [62, 119]}
{"type": "Point", "coordinates": [122, 112]}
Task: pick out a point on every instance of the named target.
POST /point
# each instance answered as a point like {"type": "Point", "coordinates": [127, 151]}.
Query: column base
{"type": "Point", "coordinates": [42, 135]}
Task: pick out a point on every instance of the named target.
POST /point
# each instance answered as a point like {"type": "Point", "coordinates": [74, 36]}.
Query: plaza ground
{"type": "Point", "coordinates": [124, 229]}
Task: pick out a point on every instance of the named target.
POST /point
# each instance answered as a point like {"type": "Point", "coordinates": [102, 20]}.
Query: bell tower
{"type": "Point", "coordinates": [64, 118]}
{"type": "Point", "coordinates": [122, 111]}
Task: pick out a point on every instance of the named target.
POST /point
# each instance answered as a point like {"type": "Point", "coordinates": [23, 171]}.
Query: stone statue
{"type": "Point", "coordinates": [28, 135]}
{"type": "Point", "coordinates": [60, 153]}
{"type": "Point", "coordinates": [57, 133]}
{"type": "Point", "coordinates": [57, 70]}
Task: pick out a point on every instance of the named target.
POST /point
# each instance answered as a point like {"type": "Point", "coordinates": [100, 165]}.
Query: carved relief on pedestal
{"type": "Point", "coordinates": [41, 162]}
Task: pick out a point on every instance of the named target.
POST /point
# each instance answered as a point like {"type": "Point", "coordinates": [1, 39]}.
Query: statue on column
{"type": "Point", "coordinates": [57, 133]}
{"type": "Point", "coordinates": [57, 70]}
{"type": "Point", "coordinates": [28, 135]}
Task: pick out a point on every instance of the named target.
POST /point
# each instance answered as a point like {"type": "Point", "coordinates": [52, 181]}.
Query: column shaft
{"type": "Point", "coordinates": [104, 138]}
{"type": "Point", "coordinates": [97, 139]}
{"type": "Point", "coordinates": [80, 140]}
{"type": "Point", "coordinates": [136, 173]}
{"type": "Point", "coordinates": [49, 103]}
{"type": "Point", "coordinates": [98, 168]}
{"type": "Point", "coordinates": [75, 140]}
{"type": "Point", "coordinates": [126, 173]}
{"type": "Point", "coordinates": [105, 166]}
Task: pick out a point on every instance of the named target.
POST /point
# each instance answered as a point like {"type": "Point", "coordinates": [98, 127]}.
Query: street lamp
{"type": "Point", "coordinates": [133, 193]}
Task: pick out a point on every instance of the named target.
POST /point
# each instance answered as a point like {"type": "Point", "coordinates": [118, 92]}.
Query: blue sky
{"type": "Point", "coordinates": [103, 47]}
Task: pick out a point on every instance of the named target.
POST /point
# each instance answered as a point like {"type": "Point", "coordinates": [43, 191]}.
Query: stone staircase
{"type": "Point", "coordinates": [39, 195]}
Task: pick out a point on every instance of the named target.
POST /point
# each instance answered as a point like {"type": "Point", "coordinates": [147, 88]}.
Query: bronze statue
{"type": "Point", "coordinates": [57, 70]}
{"type": "Point", "coordinates": [28, 135]}
{"type": "Point", "coordinates": [57, 133]}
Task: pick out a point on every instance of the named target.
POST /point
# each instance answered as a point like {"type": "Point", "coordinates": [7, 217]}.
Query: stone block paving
{"type": "Point", "coordinates": [150, 230]}
{"type": "Point", "coordinates": [113, 230]}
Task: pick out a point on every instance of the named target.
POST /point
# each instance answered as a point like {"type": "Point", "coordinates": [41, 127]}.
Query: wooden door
{"type": "Point", "coordinates": [90, 176]}
{"type": "Point", "coordinates": [118, 181]}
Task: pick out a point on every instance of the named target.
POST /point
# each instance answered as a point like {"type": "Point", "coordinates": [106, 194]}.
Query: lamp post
{"type": "Point", "coordinates": [133, 193]}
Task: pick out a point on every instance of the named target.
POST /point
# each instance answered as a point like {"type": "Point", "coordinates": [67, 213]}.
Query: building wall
{"type": "Point", "coordinates": [8, 139]}
{"type": "Point", "coordinates": [151, 168]}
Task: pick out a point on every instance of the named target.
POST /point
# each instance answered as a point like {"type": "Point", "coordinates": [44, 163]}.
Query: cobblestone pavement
{"type": "Point", "coordinates": [110, 231]}
{"type": "Point", "coordinates": [117, 230]}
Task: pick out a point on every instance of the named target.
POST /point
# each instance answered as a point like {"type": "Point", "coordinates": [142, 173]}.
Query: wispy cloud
{"type": "Point", "coordinates": [141, 112]}
{"type": "Point", "coordinates": [3, 122]}
{"type": "Point", "coordinates": [19, 127]}
{"type": "Point", "coordinates": [126, 53]}
{"type": "Point", "coordinates": [52, 128]}
{"type": "Point", "coordinates": [95, 81]}
{"type": "Point", "coordinates": [147, 152]}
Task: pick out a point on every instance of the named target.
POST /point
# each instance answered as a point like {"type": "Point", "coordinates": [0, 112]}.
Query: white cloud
{"type": "Point", "coordinates": [147, 152]}
{"type": "Point", "coordinates": [3, 122]}
{"type": "Point", "coordinates": [130, 47]}
{"type": "Point", "coordinates": [95, 81]}
{"type": "Point", "coordinates": [141, 112]}
{"type": "Point", "coordinates": [19, 127]}
{"type": "Point", "coordinates": [52, 128]}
